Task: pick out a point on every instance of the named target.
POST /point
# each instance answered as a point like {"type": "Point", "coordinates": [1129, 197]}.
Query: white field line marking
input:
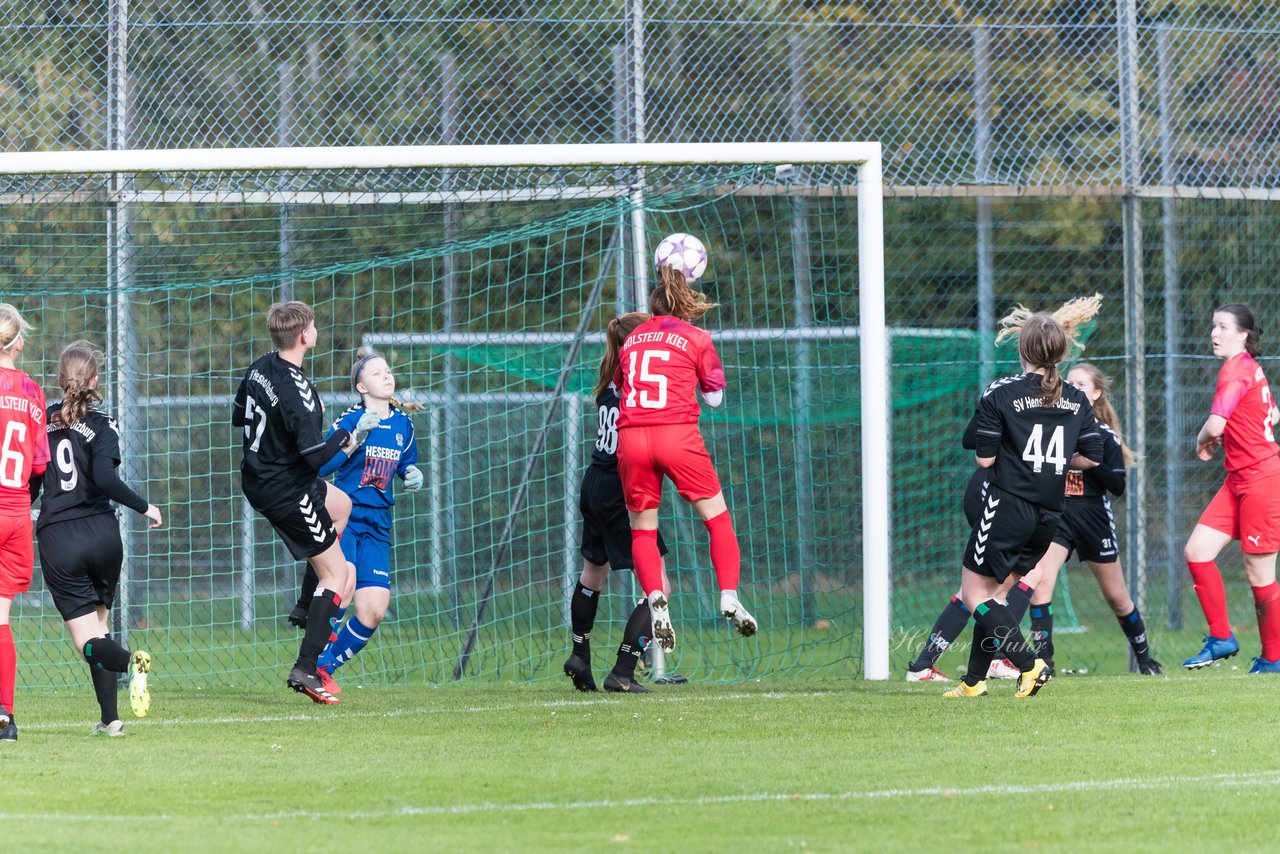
{"type": "Point", "coordinates": [337, 715]}
{"type": "Point", "coordinates": [1256, 778]}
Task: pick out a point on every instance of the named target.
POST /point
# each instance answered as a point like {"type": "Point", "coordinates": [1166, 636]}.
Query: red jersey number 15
{"type": "Point", "coordinates": [647, 376]}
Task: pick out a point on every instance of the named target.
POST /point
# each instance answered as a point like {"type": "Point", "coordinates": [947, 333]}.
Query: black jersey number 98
{"type": "Point", "coordinates": [607, 432]}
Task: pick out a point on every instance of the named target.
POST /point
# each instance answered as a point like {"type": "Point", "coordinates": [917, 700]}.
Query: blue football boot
{"type": "Point", "coordinates": [1261, 665]}
{"type": "Point", "coordinates": [1214, 650]}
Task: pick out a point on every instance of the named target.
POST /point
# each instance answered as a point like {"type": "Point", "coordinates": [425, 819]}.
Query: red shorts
{"type": "Point", "coordinates": [17, 554]}
{"type": "Point", "coordinates": [1247, 507]}
{"type": "Point", "coordinates": [646, 454]}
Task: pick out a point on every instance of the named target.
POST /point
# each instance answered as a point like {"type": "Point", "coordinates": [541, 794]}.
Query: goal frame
{"type": "Point", "coordinates": [875, 390]}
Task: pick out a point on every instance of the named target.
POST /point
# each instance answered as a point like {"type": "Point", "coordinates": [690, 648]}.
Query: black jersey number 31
{"type": "Point", "coordinates": [1038, 454]}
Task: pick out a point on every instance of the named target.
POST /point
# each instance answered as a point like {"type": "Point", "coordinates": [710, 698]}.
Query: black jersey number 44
{"type": "Point", "coordinates": [1033, 444]}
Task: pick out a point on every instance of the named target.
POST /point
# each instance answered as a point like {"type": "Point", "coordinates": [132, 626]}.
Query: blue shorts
{"type": "Point", "coordinates": [368, 546]}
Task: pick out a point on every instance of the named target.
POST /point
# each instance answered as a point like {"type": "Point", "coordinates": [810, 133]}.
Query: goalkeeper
{"type": "Point", "coordinates": [366, 475]}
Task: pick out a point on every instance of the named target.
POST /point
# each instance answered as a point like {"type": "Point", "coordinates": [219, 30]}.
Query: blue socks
{"type": "Point", "coordinates": [352, 638]}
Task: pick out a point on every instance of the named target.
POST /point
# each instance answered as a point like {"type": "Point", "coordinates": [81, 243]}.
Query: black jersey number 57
{"type": "Point", "coordinates": [255, 422]}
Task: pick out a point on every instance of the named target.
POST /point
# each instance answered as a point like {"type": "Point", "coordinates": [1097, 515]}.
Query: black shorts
{"type": "Point", "coordinates": [975, 492]}
{"type": "Point", "coordinates": [606, 527]}
{"type": "Point", "coordinates": [1010, 536]}
{"type": "Point", "coordinates": [80, 560]}
{"type": "Point", "coordinates": [301, 519]}
{"type": "Point", "coordinates": [1089, 528]}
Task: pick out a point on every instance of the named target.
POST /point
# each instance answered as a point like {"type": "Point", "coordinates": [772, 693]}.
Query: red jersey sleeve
{"type": "Point", "coordinates": [1233, 385]}
{"type": "Point", "coordinates": [710, 370]}
{"type": "Point", "coordinates": [41, 455]}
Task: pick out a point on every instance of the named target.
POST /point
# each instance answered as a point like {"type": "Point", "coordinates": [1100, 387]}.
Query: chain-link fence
{"type": "Point", "coordinates": [1023, 93]}
{"type": "Point", "coordinates": [1033, 151]}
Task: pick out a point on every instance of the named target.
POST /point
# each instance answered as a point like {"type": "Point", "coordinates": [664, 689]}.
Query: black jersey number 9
{"type": "Point", "coordinates": [1053, 453]}
{"type": "Point", "coordinates": [255, 423]}
{"type": "Point", "coordinates": [607, 432]}
{"type": "Point", "coordinates": [68, 474]}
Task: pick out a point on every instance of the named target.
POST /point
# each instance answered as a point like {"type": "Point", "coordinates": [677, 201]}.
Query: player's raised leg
{"type": "Point", "coordinates": [726, 559]}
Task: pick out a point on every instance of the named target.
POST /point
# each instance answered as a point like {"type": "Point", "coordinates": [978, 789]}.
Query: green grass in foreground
{"type": "Point", "coordinates": [1120, 763]}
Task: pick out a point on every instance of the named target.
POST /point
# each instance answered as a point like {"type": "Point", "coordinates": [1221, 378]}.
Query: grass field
{"type": "Point", "coordinates": [1119, 763]}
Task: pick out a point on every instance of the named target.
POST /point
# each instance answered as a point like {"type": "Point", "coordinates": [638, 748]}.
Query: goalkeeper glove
{"type": "Point", "coordinates": [366, 423]}
{"type": "Point", "coordinates": [412, 479]}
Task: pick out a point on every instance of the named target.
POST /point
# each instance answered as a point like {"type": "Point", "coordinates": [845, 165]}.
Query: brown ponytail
{"type": "Point", "coordinates": [77, 367]}
{"type": "Point", "coordinates": [1043, 339]}
{"type": "Point", "coordinates": [673, 297]}
{"type": "Point", "coordinates": [616, 333]}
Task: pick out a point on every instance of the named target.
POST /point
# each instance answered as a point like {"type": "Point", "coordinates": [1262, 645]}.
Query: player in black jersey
{"type": "Point", "coordinates": [1030, 429]}
{"type": "Point", "coordinates": [606, 536]}
{"type": "Point", "coordinates": [81, 554]}
{"type": "Point", "coordinates": [285, 447]}
{"type": "Point", "coordinates": [1088, 527]}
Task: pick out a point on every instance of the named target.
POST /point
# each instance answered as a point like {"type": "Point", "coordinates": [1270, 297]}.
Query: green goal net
{"type": "Point", "coordinates": [475, 283]}
{"type": "Point", "coordinates": [487, 289]}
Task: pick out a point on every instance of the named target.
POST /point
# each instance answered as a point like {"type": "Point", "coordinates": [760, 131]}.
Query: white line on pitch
{"type": "Point", "coordinates": [337, 716]}
{"type": "Point", "coordinates": [1257, 778]}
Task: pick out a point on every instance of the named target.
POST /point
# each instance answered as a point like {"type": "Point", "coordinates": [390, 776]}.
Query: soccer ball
{"type": "Point", "coordinates": [683, 252]}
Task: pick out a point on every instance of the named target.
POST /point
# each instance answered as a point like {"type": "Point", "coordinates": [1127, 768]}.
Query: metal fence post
{"type": "Point", "coordinates": [985, 229]}
{"type": "Point", "coordinates": [1135, 320]}
{"type": "Point", "coordinates": [123, 342]}
{"type": "Point", "coordinates": [806, 553]}
{"type": "Point", "coordinates": [639, 261]}
{"type": "Point", "coordinates": [448, 514]}
{"type": "Point", "coordinates": [1174, 446]}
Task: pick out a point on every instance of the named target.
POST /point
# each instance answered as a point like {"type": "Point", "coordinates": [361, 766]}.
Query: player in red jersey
{"type": "Point", "coordinates": [1247, 506]}
{"type": "Point", "coordinates": [24, 453]}
{"type": "Point", "coordinates": [665, 362]}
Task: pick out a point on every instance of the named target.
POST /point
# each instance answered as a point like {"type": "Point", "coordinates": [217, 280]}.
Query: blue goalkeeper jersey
{"type": "Point", "coordinates": [389, 449]}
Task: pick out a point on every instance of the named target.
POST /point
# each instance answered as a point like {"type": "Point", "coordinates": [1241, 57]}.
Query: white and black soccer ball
{"type": "Point", "coordinates": [683, 252]}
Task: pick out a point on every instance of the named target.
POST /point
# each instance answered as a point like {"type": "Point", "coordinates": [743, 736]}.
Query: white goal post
{"type": "Point", "coordinates": [866, 156]}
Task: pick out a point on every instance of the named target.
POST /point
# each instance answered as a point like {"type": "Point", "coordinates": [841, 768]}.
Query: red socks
{"type": "Point", "coordinates": [1212, 595]}
{"type": "Point", "coordinates": [648, 561]}
{"type": "Point", "coordinates": [8, 667]}
{"type": "Point", "coordinates": [1267, 600]}
{"type": "Point", "coordinates": [726, 557]}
